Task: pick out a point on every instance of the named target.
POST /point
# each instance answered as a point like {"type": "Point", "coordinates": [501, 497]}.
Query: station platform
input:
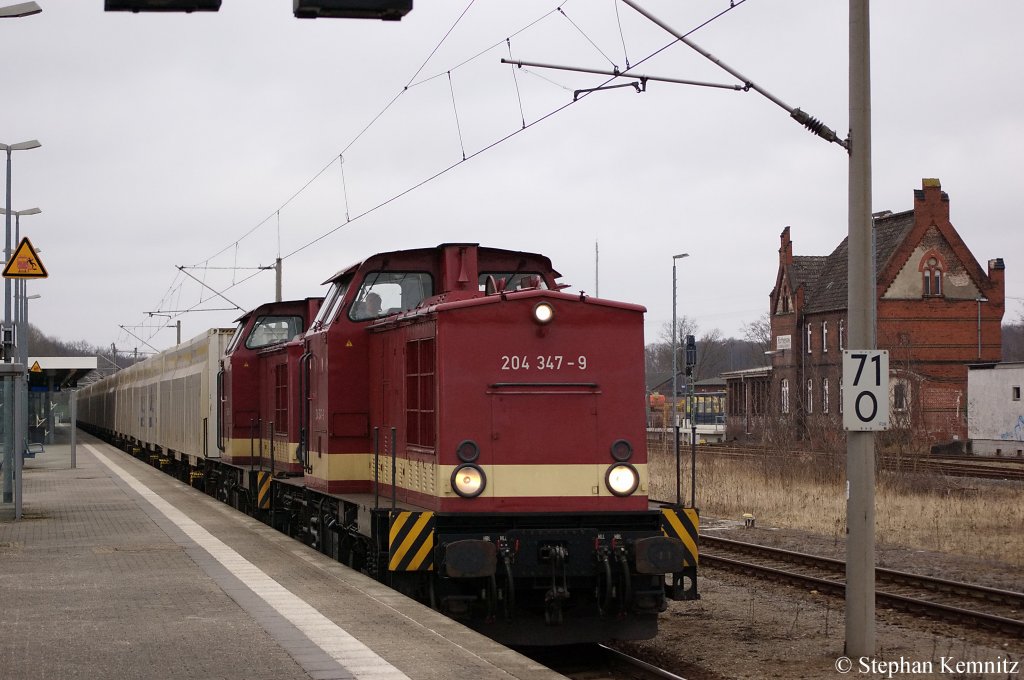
{"type": "Point", "coordinates": [116, 570]}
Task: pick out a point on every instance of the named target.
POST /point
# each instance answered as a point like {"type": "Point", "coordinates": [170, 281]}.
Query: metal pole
{"type": "Point", "coordinates": [74, 429]}
{"type": "Point", "coordinates": [675, 391]}
{"type": "Point", "coordinates": [20, 422]}
{"type": "Point", "coordinates": [8, 414]}
{"type": "Point", "coordinates": [860, 446]}
{"type": "Point", "coordinates": [693, 446]}
{"type": "Point", "coordinates": [277, 276]}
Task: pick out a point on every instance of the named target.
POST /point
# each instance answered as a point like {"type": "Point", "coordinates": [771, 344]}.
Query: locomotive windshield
{"type": "Point", "coordinates": [384, 293]}
{"type": "Point", "coordinates": [273, 330]}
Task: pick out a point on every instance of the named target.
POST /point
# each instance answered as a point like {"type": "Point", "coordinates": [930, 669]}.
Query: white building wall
{"type": "Point", "coordinates": [995, 409]}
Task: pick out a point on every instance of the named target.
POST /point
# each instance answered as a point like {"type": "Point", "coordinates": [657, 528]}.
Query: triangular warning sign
{"type": "Point", "coordinates": [25, 264]}
{"type": "Point", "coordinates": [36, 368]}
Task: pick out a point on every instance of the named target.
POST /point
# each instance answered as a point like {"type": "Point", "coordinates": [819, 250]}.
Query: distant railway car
{"type": "Point", "coordinates": [454, 424]}
{"type": "Point", "coordinates": [165, 405]}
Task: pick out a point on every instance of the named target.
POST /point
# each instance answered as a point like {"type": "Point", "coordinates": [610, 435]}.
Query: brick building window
{"type": "Point", "coordinates": [840, 396]}
{"type": "Point", "coordinates": [842, 334]}
{"type": "Point", "coordinates": [931, 277]}
{"type": "Point", "coordinates": [899, 397]}
{"type": "Point", "coordinates": [810, 396]}
{"type": "Point", "coordinates": [785, 395]}
{"type": "Point", "coordinates": [824, 336]}
{"type": "Point", "coordinates": [809, 337]}
{"type": "Point", "coordinates": [1016, 392]}
{"type": "Point", "coordinates": [824, 395]}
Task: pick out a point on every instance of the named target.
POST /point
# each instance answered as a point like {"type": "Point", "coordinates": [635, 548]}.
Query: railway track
{"type": "Point", "coordinates": [589, 662]}
{"type": "Point", "coordinates": [964, 603]}
{"type": "Point", "coordinates": [980, 467]}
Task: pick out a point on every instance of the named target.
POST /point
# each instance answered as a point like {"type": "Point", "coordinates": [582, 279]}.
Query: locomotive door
{"type": "Point", "coordinates": [544, 441]}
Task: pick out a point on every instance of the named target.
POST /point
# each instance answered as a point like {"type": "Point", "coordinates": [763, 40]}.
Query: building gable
{"type": "Point", "coordinates": [933, 267]}
{"type": "Point", "coordinates": [933, 244]}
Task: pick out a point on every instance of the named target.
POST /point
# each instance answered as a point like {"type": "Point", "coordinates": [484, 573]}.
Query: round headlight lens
{"type": "Point", "coordinates": [622, 479]}
{"type": "Point", "coordinates": [543, 312]}
{"type": "Point", "coordinates": [467, 451]}
{"type": "Point", "coordinates": [622, 450]}
{"type": "Point", "coordinates": [468, 480]}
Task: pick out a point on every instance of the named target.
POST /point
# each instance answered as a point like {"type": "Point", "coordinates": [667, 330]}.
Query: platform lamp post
{"type": "Point", "coordinates": [675, 379]}
{"type": "Point", "coordinates": [8, 333]}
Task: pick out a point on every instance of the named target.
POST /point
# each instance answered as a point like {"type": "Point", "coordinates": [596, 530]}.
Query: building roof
{"type": "Point", "coordinates": [828, 290]}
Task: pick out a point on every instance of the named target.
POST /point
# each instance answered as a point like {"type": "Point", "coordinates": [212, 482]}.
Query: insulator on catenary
{"type": "Point", "coordinates": [816, 126]}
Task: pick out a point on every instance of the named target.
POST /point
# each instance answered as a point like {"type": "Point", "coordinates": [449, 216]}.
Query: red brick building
{"type": "Point", "coordinates": [937, 308]}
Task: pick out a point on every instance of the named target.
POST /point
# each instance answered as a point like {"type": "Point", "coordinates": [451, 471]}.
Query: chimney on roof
{"type": "Point", "coordinates": [931, 203]}
{"type": "Point", "coordinates": [786, 249]}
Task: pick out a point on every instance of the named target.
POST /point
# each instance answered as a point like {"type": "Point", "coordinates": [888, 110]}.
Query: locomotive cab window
{"type": "Point", "coordinates": [273, 330]}
{"type": "Point", "coordinates": [513, 280]}
{"type": "Point", "coordinates": [331, 303]}
{"type": "Point", "coordinates": [233, 343]}
{"type": "Point", "coordinates": [383, 293]}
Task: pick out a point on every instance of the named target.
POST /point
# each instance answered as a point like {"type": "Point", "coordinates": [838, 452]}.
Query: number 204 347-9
{"type": "Point", "coordinates": [542, 362]}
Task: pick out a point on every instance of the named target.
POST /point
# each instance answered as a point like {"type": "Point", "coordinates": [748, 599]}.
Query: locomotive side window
{"type": "Point", "coordinates": [233, 343]}
{"type": "Point", "coordinates": [273, 330]}
{"type": "Point", "coordinates": [513, 280]}
{"type": "Point", "coordinates": [330, 304]}
{"type": "Point", "coordinates": [383, 293]}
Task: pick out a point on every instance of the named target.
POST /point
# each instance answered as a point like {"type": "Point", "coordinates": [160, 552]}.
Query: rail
{"type": "Point", "coordinates": [964, 603]}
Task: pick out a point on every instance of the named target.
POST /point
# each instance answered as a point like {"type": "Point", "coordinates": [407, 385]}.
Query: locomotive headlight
{"type": "Point", "coordinates": [543, 313]}
{"type": "Point", "coordinates": [622, 479]}
{"type": "Point", "coordinates": [468, 480]}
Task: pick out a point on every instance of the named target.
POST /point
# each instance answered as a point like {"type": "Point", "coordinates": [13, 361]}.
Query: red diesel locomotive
{"type": "Point", "coordinates": [452, 423]}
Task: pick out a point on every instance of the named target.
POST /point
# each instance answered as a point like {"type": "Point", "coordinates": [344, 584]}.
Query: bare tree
{"type": "Point", "coordinates": [759, 333]}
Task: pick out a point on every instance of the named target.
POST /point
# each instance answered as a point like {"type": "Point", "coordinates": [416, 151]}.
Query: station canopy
{"type": "Point", "coordinates": [58, 373]}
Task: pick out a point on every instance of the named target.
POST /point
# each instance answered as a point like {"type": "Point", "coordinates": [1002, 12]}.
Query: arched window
{"type": "Point", "coordinates": [785, 395]}
{"type": "Point", "coordinates": [824, 395]}
{"type": "Point", "coordinates": [931, 276]}
{"type": "Point", "coordinates": [810, 396]}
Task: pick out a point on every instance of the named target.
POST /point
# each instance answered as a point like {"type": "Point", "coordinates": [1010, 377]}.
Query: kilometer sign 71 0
{"type": "Point", "coordinates": [866, 389]}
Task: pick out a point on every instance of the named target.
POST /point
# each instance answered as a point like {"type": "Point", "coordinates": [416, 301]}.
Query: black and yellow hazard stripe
{"type": "Point", "coordinates": [263, 479]}
{"type": "Point", "coordinates": [411, 541]}
{"type": "Point", "coordinates": [682, 523]}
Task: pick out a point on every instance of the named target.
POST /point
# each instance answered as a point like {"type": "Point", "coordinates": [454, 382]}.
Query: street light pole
{"type": "Point", "coordinates": [675, 378]}
{"type": "Point", "coordinates": [9, 415]}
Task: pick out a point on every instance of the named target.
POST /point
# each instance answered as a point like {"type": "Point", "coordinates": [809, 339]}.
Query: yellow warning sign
{"type": "Point", "coordinates": [25, 264]}
{"type": "Point", "coordinates": [36, 368]}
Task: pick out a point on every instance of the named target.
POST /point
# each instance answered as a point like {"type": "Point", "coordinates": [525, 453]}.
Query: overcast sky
{"type": "Point", "coordinates": [212, 141]}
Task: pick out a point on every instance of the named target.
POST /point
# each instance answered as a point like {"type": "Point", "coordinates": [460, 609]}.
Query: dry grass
{"type": "Point", "coordinates": [801, 492]}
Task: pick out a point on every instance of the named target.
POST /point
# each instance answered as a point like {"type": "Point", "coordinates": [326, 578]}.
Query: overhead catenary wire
{"type": "Point", "coordinates": [466, 155]}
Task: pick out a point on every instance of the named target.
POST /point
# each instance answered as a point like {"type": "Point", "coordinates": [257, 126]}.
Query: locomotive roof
{"type": "Point", "coordinates": [432, 252]}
